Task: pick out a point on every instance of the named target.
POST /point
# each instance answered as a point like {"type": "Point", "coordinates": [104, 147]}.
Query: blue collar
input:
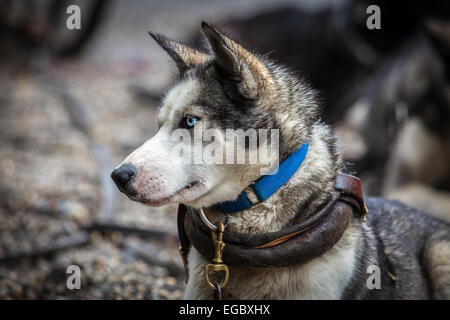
{"type": "Point", "coordinates": [267, 185]}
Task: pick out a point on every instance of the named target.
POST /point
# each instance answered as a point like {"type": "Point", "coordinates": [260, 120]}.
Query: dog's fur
{"type": "Point", "coordinates": [230, 87]}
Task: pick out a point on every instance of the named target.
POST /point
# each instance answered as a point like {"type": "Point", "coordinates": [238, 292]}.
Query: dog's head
{"type": "Point", "coordinates": [228, 88]}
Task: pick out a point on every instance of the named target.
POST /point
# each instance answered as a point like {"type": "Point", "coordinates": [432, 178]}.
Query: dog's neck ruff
{"type": "Point", "coordinates": [267, 185]}
{"type": "Point", "coordinates": [295, 244]}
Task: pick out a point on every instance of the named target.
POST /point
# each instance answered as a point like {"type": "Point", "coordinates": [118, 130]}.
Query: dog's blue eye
{"type": "Point", "coordinates": [188, 122]}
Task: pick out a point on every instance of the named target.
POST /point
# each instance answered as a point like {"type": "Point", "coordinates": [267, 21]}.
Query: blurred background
{"type": "Point", "coordinates": [74, 103]}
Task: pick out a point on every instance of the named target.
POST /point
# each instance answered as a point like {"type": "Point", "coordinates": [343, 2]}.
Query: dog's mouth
{"type": "Point", "coordinates": [190, 192]}
{"type": "Point", "coordinates": [187, 188]}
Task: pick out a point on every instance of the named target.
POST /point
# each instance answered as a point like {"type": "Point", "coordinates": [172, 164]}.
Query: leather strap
{"type": "Point", "coordinates": [296, 244]}
{"type": "Point", "coordinates": [351, 186]}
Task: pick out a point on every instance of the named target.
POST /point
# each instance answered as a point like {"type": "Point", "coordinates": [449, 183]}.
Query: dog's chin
{"type": "Point", "coordinates": [190, 193]}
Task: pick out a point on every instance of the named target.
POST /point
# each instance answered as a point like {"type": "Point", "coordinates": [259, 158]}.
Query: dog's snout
{"type": "Point", "coordinates": [123, 175]}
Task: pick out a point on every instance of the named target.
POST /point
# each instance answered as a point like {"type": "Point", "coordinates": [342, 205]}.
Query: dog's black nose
{"type": "Point", "coordinates": [123, 175]}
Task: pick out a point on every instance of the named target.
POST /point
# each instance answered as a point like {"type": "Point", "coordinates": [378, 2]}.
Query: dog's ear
{"type": "Point", "coordinates": [241, 70]}
{"type": "Point", "coordinates": [184, 56]}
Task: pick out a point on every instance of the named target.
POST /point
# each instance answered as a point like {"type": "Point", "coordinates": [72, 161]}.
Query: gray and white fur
{"type": "Point", "coordinates": [230, 87]}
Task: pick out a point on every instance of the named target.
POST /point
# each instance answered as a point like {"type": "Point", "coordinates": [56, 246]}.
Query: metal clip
{"type": "Point", "coordinates": [217, 264]}
{"type": "Point", "coordinates": [365, 211]}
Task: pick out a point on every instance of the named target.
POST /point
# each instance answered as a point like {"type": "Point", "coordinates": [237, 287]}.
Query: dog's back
{"type": "Point", "coordinates": [410, 249]}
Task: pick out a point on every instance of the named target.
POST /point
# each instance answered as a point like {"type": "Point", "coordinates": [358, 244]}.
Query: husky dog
{"type": "Point", "coordinates": [232, 88]}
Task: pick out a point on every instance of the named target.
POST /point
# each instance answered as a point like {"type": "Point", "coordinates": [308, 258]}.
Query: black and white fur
{"type": "Point", "coordinates": [231, 87]}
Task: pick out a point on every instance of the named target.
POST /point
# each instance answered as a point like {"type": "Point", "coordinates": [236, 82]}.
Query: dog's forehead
{"type": "Point", "coordinates": [182, 94]}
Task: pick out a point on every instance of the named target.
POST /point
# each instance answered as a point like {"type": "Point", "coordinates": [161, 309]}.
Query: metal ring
{"type": "Point", "coordinates": [206, 221]}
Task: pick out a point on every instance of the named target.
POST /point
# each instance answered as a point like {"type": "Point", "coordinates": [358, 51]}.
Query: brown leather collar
{"type": "Point", "coordinates": [296, 244]}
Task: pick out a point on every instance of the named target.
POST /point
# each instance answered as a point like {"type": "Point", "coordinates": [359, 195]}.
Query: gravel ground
{"type": "Point", "coordinates": [63, 127]}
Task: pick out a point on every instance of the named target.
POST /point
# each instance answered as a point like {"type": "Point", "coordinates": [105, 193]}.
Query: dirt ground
{"type": "Point", "coordinates": [63, 129]}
